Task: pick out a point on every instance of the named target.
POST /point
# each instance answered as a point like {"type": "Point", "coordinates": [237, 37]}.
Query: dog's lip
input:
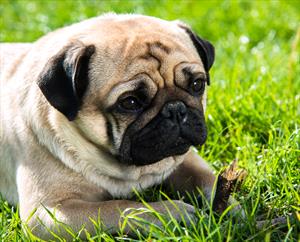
{"type": "Point", "coordinates": [181, 142]}
{"type": "Point", "coordinates": [180, 148]}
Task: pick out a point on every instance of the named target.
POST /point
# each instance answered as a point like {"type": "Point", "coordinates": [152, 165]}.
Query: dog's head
{"type": "Point", "coordinates": [133, 85]}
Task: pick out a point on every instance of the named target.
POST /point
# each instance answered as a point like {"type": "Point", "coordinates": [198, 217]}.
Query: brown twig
{"type": "Point", "coordinates": [226, 184]}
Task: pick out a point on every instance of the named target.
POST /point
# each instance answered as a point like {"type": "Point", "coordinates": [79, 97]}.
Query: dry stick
{"type": "Point", "coordinates": [226, 183]}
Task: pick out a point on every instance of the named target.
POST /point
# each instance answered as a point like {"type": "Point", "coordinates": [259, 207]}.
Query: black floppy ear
{"type": "Point", "coordinates": [205, 50]}
{"type": "Point", "coordinates": [64, 78]}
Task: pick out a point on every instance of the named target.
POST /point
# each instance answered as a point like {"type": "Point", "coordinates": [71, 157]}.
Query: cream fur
{"type": "Point", "coordinates": [44, 159]}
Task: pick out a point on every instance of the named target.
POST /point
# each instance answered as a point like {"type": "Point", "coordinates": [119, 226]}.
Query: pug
{"type": "Point", "coordinates": [93, 111]}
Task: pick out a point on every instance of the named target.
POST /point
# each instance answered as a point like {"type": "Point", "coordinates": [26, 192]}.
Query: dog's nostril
{"type": "Point", "coordinates": [175, 110]}
{"type": "Point", "coordinates": [182, 108]}
{"type": "Point", "coordinates": [166, 113]}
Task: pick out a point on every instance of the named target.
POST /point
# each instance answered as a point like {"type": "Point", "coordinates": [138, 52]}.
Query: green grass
{"type": "Point", "coordinates": [253, 106]}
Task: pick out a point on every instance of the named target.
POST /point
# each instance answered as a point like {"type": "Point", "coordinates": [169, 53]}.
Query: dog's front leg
{"type": "Point", "coordinates": [79, 213]}
{"type": "Point", "coordinates": [194, 173]}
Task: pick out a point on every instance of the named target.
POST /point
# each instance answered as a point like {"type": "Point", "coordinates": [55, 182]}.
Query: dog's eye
{"type": "Point", "coordinates": [130, 103]}
{"type": "Point", "coordinates": [197, 86]}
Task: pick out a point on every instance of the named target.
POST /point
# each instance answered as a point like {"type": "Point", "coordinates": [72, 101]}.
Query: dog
{"type": "Point", "coordinates": [93, 111]}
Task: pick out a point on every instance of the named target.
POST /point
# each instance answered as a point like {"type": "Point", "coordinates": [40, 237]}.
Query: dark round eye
{"type": "Point", "coordinates": [197, 85]}
{"type": "Point", "coordinates": [130, 104]}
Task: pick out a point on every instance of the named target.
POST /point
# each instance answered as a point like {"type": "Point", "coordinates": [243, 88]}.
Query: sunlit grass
{"type": "Point", "coordinates": [253, 110]}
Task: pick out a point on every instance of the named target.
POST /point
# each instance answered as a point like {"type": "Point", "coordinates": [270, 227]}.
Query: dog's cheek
{"type": "Point", "coordinates": [92, 125]}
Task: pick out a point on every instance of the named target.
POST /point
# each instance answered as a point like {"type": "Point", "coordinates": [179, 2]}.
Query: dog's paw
{"type": "Point", "coordinates": [159, 214]}
{"type": "Point", "coordinates": [182, 212]}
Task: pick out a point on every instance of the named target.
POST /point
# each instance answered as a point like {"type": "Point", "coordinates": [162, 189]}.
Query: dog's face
{"type": "Point", "coordinates": [134, 87]}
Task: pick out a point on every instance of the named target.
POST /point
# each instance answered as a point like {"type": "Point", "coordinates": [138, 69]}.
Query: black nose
{"type": "Point", "coordinates": [175, 110]}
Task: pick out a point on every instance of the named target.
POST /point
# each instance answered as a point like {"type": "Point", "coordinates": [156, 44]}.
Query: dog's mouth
{"type": "Point", "coordinates": [144, 153]}
{"type": "Point", "coordinates": [162, 138]}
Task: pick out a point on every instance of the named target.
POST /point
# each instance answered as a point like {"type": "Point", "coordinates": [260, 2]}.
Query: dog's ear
{"type": "Point", "coordinates": [205, 50]}
{"type": "Point", "coordinates": [64, 78]}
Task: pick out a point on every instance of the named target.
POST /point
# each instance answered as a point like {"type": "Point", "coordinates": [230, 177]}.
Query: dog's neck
{"type": "Point", "coordinates": [98, 166]}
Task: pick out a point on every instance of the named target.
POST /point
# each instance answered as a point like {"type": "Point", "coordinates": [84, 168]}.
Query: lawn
{"type": "Point", "coordinates": [253, 112]}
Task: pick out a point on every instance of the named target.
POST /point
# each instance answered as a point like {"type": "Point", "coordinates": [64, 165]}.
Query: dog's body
{"type": "Point", "coordinates": [94, 110]}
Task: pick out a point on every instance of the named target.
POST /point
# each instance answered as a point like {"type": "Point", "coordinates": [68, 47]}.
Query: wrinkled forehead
{"type": "Point", "coordinates": [160, 54]}
{"type": "Point", "coordinates": [149, 48]}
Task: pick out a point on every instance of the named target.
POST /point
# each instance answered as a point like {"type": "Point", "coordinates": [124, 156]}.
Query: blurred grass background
{"type": "Point", "coordinates": [253, 102]}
